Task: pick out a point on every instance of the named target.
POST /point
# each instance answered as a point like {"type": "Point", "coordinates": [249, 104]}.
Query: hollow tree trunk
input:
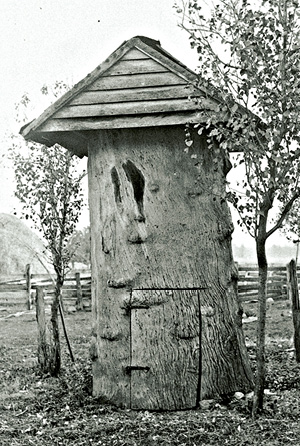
{"type": "Point", "coordinates": [167, 322]}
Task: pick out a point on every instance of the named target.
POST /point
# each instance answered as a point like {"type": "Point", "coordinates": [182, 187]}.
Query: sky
{"type": "Point", "coordinates": [43, 41]}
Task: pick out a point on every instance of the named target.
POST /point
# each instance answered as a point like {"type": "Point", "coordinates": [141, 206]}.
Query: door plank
{"type": "Point", "coordinates": [165, 338]}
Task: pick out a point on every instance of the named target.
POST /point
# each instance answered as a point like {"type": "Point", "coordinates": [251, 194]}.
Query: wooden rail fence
{"type": "Point", "coordinates": [20, 290]}
{"type": "Point", "coordinates": [276, 286]}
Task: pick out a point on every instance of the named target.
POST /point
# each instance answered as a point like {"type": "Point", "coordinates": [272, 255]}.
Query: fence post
{"type": "Point", "coordinates": [79, 302]}
{"type": "Point", "coordinates": [28, 285]}
{"type": "Point", "coordinates": [293, 291]}
{"type": "Point", "coordinates": [43, 347]}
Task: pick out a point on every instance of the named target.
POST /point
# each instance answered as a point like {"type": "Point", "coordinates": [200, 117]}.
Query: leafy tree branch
{"type": "Point", "coordinates": [48, 184]}
{"type": "Point", "coordinates": [248, 63]}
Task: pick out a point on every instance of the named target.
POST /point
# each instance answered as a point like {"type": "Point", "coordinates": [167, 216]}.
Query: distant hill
{"type": "Point", "coordinates": [19, 245]}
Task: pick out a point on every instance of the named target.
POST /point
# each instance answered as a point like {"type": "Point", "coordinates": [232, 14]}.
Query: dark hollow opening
{"type": "Point", "coordinates": [135, 176]}
{"type": "Point", "coordinates": [116, 183]}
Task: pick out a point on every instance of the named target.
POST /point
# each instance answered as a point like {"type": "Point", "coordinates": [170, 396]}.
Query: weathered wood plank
{"type": "Point", "coordinates": [165, 340]}
{"type": "Point", "coordinates": [275, 284]}
{"type": "Point", "coordinates": [252, 268]}
{"type": "Point", "coordinates": [254, 280]}
{"type": "Point", "coordinates": [111, 343]}
{"type": "Point", "coordinates": [13, 282]}
{"type": "Point", "coordinates": [126, 108]}
{"type": "Point", "coordinates": [242, 288]}
{"type": "Point", "coordinates": [40, 276]}
{"type": "Point", "coordinates": [163, 58]}
{"type": "Point", "coordinates": [254, 286]}
{"type": "Point", "coordinates": [169, 61]}
{"type": "Point", "coordinates": [47, 278]}
{"type": "Point", "coordinates": [124, 67]}
{"type": "Point", "coordinates": [50, 288]}
{"type": "Point", "coordinates": [136, 80]}
{"type": "Point", "coordinates": [248, 279]}
{"type": "Point", "coordinates": [11, 278]}
{"type": "Point", "coordinates": [135, 54]}
{"type": "Point", "coordinates": [13, 292]}
{"type": "Point", "coordinates": [272, 293]}
{"type": "Point", "coordinates": [68, 294]}
{"type": "Point", "coordinates": [130, 121]}
{"type": "Point", "coordinates": [135, 94]}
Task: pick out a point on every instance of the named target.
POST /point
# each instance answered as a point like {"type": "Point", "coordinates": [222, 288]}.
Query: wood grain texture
{"type": "Point", "coordinates": [134, 54]}
{"type": "Point", "coordinates": [225, 363]}
{"type": "Point", "coordinates": [114, 122]}
{"type": "Point", "coordinates": [165, 338]}
{"type": "Point", "coordinates": [136, 80]}
{"type": "Point", "coordinates": [79, 87]}
{"type": "Point", "coordinates": [126, 108]}
{"type": "Point", "coordinates": [124, 67]}
{"type": "Point", "coordinates": [138, 50]}
{"type": "Point", "coordinates": [179, 206]}
{"type": "Point", "coordinates": [111, 347]}
{"type": "Point", "coordinates": [136, 72]}
{"type": "Point", "coordinates": [134, 94]}
{"type": "Point", "coordinates": [159, 222]}
{"type": "Point", "coordinates": [68, 137]}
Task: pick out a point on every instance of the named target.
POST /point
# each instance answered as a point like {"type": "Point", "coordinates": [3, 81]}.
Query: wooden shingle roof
{"type": "Point", "coordinates": [138, 85]}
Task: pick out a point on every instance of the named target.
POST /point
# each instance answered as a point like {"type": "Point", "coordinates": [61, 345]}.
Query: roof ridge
{"type": "Point", "coordinates": [98, 71]}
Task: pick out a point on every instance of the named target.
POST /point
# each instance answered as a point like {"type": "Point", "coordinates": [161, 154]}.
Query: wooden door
{"type": "Point", "coordinates": [165, 349]}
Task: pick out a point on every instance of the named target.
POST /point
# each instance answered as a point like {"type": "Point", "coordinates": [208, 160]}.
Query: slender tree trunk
{"type": "Point", "coordinates": [261, 314]}
{"type": "Point", "coordinates": [28, 285]}
{"type": "Point", "coordinates": [55, 348]}
{"type": "Point", "coordinates": [43, 344]}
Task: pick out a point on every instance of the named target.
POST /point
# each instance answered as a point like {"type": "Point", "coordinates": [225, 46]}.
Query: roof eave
{"type": "Point", "coordinates": [147, 45]}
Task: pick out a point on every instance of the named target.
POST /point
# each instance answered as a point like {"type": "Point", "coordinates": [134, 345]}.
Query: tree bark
{"type": "Point", "coordinates": [55, 360]}
{"type": "Point", "coordinates": [261, 317]}
{"type": "Point", "coordinates": [28, 285]}
{"type": "Point", "coordinates": [43, 344]}
{"type": "Point", "coordinates": [161, 227]}
{"type": "Point", "coordinates": [294, 297]}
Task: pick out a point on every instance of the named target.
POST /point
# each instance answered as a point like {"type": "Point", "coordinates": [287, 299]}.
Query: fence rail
{"type": "Point", "coordinates": [20, 289]}
{"type": "Point", "coordinates": [248, 282]}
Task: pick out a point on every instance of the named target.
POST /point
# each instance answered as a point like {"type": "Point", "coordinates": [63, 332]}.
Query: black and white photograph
{"type": "Point", "coordinates": [149, 222]}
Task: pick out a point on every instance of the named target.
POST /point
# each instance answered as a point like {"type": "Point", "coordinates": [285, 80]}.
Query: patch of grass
{"type": "Point", "coordinates": [39, 410]}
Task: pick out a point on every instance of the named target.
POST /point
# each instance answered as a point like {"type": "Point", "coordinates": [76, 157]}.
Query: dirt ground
{"type": "Point", "coordinates": [40, 410]}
